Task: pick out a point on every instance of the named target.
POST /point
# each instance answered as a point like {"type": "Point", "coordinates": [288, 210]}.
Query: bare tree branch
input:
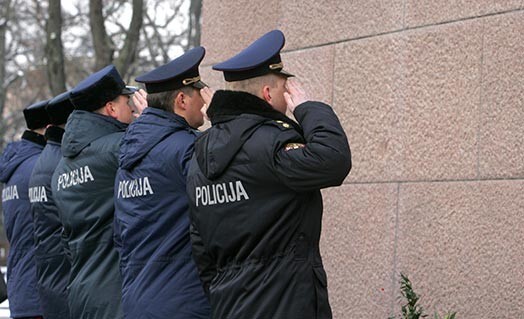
{"type": "Point", "coordinates": [121, 29]}
{"type": "Point", "coordinates": [150, 48]}
{"type": "Point", "coordinates": [38, 14]}
{"type": "Point", "coordinates": [127, 54]}
{"type": "Point", "coordinates": [114, 6]}
{"type": "Point", "coordinates": [157, 35]}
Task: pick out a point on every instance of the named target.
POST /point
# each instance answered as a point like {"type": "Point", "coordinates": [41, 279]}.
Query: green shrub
{"type": "Point", "coordinates": [411, 309]}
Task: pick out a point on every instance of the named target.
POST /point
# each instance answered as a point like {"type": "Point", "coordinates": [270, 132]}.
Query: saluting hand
{"type": "Point", "coordinates": [207, 95]}
{"type": "Point", "coordinates": [295, 94]}
{"type": "Point", "coordinates": [140, 102]}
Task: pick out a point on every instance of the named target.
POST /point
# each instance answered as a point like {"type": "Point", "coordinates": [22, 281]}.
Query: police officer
{"type": "Point", "coordinates": [254, 189]}
{"type": "Point", "coordinates": [52, 264]}
{"type": "Point", "coordinates": [82, 186]}
{"type": "Point", "coordinates": [16, 166]}
{"type": "Point", "coordinates": [151, 208]}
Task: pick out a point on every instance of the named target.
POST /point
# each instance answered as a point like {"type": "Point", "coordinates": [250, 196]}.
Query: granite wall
{"type": "Point", "coordinates": [431, 95]}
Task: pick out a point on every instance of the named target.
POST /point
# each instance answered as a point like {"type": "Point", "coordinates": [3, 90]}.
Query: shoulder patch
{"type": "Point", "coordinates": [282, 124]}
{"type": "Point", "coordinates": [293, 146]}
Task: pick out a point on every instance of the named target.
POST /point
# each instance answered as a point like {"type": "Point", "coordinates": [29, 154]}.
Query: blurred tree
{"type": "Point", "coordinates": [127, 54]}
{"type": "Point", "coordinates": [159, 38]}
{"type": "Point", "coordinates": [193, 34]}
{"type": "Point", "coordinates": [102, 44]}
{"type": "Point", "coordinates": [4, 18]}
{"type": "Point", "coordinates": [54, 49]}
{"type": "Point", "coordinates": [18, 46]}
{"type": "Point", "coordinates": [23, 63]}
{"type": "Point", "coordinates": [46, 47]}
{"type": "Point", "coordinates": [5, 8]}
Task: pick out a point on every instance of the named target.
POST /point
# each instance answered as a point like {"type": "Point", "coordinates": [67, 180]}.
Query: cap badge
{"type": "Point", "coordinates": [189, 81]}
{"type": "Point", "coordinates": [276, 66]}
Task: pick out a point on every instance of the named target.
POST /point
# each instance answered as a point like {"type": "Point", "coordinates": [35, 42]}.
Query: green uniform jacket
{"type": "Point", "coordinates": [83, 189]}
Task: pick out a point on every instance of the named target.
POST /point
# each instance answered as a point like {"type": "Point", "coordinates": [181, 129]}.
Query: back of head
{"type": "Point", "coordinates": [165, 100]}
{"type": "Point", "coordinates": [260, 58]}
{"type": "Point", "coordinates": [258, 70]}
{"type": "Point", "coordinates": [164, 83]}
{"type": "Point", "coordinates": [253, 85]}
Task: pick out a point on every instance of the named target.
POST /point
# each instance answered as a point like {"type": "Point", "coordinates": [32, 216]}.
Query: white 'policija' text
{"type": "Point", "coordinates": [75, 177]}
{"type": "Point", "coordinates": [10, 192]}
{"type": "Point", "coordinates": [37, 194]}
{"type": "Point", "coordinates": [220, 193]}
{"type": "Point", "coordinates": [134, 188]}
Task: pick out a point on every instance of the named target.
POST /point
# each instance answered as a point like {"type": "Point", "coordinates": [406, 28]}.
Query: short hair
{"type": "Point", "coordinates": [253, 85]}
{"type": "Point", "coordinates": [100, 110]}
{"type": "Point", "coordinates": [164, 100]}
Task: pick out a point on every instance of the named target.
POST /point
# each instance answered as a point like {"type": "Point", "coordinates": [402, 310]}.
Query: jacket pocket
{"type": "Point", "coordinates": [322, 301]}
{"type": "Point", "coordinates": [321, 276]}
{"type": "Point", "coordinates": [301, 248]}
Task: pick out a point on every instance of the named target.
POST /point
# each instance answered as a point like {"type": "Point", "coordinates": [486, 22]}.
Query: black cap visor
{"type": "Point", "coordinates": [199, 85]}
{"type": "Point", "coordinates": [129, 90]}
{"type": "Point", "coordinates": [284, 73]}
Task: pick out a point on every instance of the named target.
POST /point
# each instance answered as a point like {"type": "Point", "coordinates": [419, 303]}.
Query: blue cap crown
{"type": "Point", "coordinates": [260, 58]}
{"type": "Point", "coordinates": [180, 72]}
{"type": "Point", "coordinates": [97, 89]}
{"type": "Point", "coordinates": [59, 108]}
{"type": "Point", "coordinates": [35, 115]}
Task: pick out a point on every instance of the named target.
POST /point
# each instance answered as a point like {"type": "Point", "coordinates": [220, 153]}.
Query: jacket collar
{"type": "Point", "coordinates": [227, 105]}
{"type": "Point", "coordinates": [54, 134]}
{"type": "Point", "coordinates": [151, 128]}
{"type": "Point", "coordinates": [34, 137]}
{"type": "Point", "coordinates": [170, 116]}
{"type": "Point", "coordinates": [83, 127]}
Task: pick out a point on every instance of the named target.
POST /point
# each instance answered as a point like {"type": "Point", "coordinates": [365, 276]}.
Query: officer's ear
{"type": "Point", "coordinates": [180, 101]}
{"type": "Point", "coordinates": [109, 109]}
{"type": "Point", "coordinates": [266, 93]}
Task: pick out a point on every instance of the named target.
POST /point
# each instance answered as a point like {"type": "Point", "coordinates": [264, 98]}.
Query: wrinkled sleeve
{"type": "Point", "coordinates": [113, 162]}
{"type": "Point", "coordinates": [206, 266]}
{"type": "Point", "coordinates": [117, 239]}
{"type": "Point", "coordinates": [324, 159]}
{"type": "Point", "coordinates": [187, 154]}
{"type": "Point", "coordinates": [64, 235]}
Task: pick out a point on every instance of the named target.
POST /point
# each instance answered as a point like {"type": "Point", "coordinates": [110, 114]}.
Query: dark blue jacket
{"type": "Point", "coordinates": [52, 265]}
{"type": "Point", "coordinates": [152, 221]}
{"type": "Point", "coordinates": [82, 186]}
{"type": "Point", "coordinates": [16, 166]}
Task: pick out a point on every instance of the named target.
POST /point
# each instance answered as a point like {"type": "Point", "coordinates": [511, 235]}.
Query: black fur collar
{"type": "Point", "coordinates": [34, 137]}
{"type": "Point", "coordinates": [54, 133]}
{"type": "Point", "coordinates": [228, 104]}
